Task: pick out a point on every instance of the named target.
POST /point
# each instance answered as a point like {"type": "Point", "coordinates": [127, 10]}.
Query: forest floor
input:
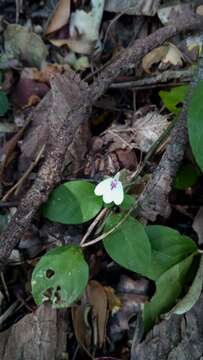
{"type": "Point", "coordinates": [101, 210]}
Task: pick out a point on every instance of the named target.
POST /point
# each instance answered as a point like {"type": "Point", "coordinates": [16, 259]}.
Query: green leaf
{"type": "Point", "coordinates": [193, 294]}
{"type": "Point", "coordinates": [168, 288]}
{"type": "Point", "coordinates": [73, 202]}
{"type": "Point", "coordinates": [3, 103]}
{"type": "Point", "coordinates": [128, 202]}
{"type": "Point", "coordinates": [195, 123]}
{"type": "Point", "coordinates": [187, 176]}
{"type": "Point", "coordinates": [3, 222]}
{"type": "Point", "coordinates": [174, 97]}
{"type": "Point", "coordinates": [128, 245]}
{"type": "Point", "coordinates": [168, 249]}
{"type": "Point", "coordinates": [60, 276]}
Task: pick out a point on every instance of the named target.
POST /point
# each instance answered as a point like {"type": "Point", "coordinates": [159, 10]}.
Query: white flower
{"type": "Point", "coordinates": [111, 189]}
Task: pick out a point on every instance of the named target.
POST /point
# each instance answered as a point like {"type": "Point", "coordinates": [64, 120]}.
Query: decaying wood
{"type": "Point", "coordinates": [68, 109]}
{"type": "Point", "coordinates": [154, 199]}
{"type": "Point", "coordinates": [40, 335]}
{"type": "Point", "coordinates": [179, 338]}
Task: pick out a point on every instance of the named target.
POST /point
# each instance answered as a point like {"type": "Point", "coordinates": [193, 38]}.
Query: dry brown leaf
{"type": "Point", "coordinates": [49, 72]}
{"type": "Point", "coordinates": [82, 329]}
{"type": "Point", "coordinates": [60, 16]}
{"type": "Point", "coordinates": [174, 56]}
{"type": "Point", "coordinates": [90, 318]}
{"type": "Point", "coordinates": [33, 100]}
{"type": "Point", "coordinates": [154, 57]}
{"type": "Point", "coordinates": [97, 298]}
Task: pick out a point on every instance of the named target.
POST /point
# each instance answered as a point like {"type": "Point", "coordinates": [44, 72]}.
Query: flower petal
{"type": "Point", "coordinates": [108, 196]}
{"type": "Point", "coordinates": [118, 194]}
{"type": "Point", "coordinates": [102, 187]}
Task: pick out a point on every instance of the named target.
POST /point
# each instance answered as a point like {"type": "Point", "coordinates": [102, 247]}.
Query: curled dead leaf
{"type": "Point", "coordinates": [60, 16]}
{"type": "Point", "coordinates": [90, 318]}
{"type": "Point", "coordinates": [174, 56]}
{"type": "Point", "coordinates": [97, 298]}
{"type": "Point", "coordinates": [153, 57]}
{"type": "Point", "coordinates": [199, 10]}
{"type": "Point", "coordinates": [33, 100]}
{"type": "Point", "coordinates": [165, 54]}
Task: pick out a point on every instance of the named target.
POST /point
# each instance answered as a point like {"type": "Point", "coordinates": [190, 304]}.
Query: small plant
{"type": "Point", "coordinates": [160, 253]}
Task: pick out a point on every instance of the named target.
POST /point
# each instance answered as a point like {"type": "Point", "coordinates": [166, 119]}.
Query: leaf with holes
{"type": "Point", "coordinates": [73, 202]}
{"type": "Point", "coordinates": [187, 176]}
{"type": "Point", "coordinates": [174, 97]}
{"type": "Point", "coordinates": [60, 276]}
{"type": "Point", "coordinates": [169, 247]}
{"type": "Point", "coordinates": [128, 245]}
{"type": "Point", "coordinates": [195, 123]}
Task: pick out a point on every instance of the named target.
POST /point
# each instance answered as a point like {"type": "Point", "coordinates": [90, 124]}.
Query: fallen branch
{"type": "Point", "coordinates": [68, 108]}
{"type": "Point", "coordinates": [154, 199]}
{"type": "Point", "coordinates": [161, 78]}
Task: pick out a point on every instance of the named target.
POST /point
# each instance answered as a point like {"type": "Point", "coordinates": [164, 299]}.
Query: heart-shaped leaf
{"type": "Point", "coordinates": [192, 295]}
{"type": "Point", "coordinates": [169, 247]}
{"type": "Point", "coordinates": [168, 289]}
{"type": "Point", "coordinates": [128, 245]}
{"type": "Point", "coordinates": [73, 202]}
{"type": "Point", "coordinates": [60, 276]}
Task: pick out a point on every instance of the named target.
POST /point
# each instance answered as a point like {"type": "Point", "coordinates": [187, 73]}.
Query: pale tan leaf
{"type": "Point", "coordinates": [173, 56]}
{"type": "Point", "coordinates": [153, 57]}
{"type": "Point", "coordinates": [60, 16]}
{"type": "Point", "coordinates": [199, 10]}
{"type": "Point", "coordinates": [78, 46]}
{"type": "Point", "coordinates": [148, 129]}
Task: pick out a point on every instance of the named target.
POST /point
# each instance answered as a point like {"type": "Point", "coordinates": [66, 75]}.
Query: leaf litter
{"type": "Point", "coordinates": [127, 131]}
